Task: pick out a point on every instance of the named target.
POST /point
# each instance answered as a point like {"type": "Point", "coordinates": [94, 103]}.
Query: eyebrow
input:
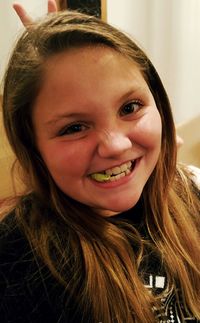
{"type": "Point", "coordinates": [85, 114]}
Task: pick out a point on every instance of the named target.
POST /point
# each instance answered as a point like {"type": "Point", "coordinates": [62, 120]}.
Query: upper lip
{"type": "Point", "coordinates": [112, 166]}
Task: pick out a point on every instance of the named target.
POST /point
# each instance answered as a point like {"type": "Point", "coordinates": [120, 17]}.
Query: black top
{"type": "Point", "coordinates": [29, 293]}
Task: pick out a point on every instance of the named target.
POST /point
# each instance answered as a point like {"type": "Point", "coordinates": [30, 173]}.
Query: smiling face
{"type": "Point", "coordinates": [97, 127]}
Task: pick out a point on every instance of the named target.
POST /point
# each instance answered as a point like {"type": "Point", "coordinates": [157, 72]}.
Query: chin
{"type": "Point", "coordinates": [116, 209]}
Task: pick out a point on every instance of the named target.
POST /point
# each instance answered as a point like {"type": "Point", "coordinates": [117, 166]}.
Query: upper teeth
{"type": "Point", "coordinates": [119, 169]}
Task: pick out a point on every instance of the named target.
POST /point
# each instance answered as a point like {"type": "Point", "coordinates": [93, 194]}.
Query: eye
{"type": "Point", "coordinates": [131, 107]}
{"type": "Point", "coordinates": [72, 129]}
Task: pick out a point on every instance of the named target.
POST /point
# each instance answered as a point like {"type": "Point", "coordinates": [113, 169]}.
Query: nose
{"type": "Point", "coordinates": [113, 144]}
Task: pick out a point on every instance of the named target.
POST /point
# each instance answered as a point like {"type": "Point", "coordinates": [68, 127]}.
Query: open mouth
{"type": "Point", "coordinates": [115, 173]}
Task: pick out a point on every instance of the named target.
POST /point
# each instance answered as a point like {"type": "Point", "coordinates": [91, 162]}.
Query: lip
{"type": "Point", "coordinates": [121, 181]}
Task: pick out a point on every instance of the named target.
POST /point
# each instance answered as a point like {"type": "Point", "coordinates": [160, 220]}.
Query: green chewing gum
{"type": "Point", "coordinates": [100, 177]}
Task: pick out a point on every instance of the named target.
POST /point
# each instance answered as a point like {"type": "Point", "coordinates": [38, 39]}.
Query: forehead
{"type": "Point", "coordinates": [86, 62]}
{"type": "Point", "coordinates": [87, 76]}
{"type": "Point", "coordinates": [81, 80]}
{"type": "Point", "coordinates": [97, 54]}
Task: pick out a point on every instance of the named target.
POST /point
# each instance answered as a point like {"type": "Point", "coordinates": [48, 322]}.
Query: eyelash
{"type": "Point", "coordinates": [132, 103]}
{"type": "Point", "coordinates": [72, 129]}
{"type": "Point", "coordinates": [78, 127]}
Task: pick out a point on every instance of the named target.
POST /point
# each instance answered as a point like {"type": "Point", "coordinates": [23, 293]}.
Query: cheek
{"type": "Point", "coordinates": [148, 130]}
{"type": "Point", "coordinates": [65, 159]}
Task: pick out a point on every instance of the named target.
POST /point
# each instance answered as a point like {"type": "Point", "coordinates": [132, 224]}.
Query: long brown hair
{"type": "Point", "coordinates": [104, 266]}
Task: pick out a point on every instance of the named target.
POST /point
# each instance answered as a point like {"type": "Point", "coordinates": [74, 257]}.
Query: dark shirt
{"type": "Point", "coordinates": [29, 293]}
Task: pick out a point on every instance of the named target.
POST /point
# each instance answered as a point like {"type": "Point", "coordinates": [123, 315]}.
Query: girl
{"type": "Point", "coordinates": [108, 228]}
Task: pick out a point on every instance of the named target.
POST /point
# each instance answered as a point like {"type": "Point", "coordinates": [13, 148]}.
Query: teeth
{"type": "Point", "coordinates": [119, 169]}
{"type": "Point", "coordinates": [124, 167]}
{"type": "Point", "coordinates": [113, 174]}
{"type": "Point", "coordinates": [100, 177]}
{"type": "Point", "coordinates": [122, 175]}
{"type": "Point", "coordinates": [116, 177]}
{"type": "Point", "coordinates": [116, 170]}
{"type": "Point", "coordinates": [127, 171]}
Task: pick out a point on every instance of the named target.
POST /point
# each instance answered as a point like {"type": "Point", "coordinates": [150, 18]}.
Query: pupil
{"type": "Point", "coordinates": [128, 108]}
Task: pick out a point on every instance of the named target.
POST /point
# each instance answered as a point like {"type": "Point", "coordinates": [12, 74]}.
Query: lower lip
{"type": "Point", "coordinates": [120, 181]}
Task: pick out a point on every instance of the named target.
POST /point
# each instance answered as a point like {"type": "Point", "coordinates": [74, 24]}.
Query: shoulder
{"type": "Point", "coordinates": [28, 291]}
{"type": "Point", "coordinates": [195, 175]}
{"type": "Point", "coordinates": [21, 276]}
{"type": "Point", "coordinates": [12, 240]}
{"type": "Point", "coordinates": [16, 256]}
{"type": "Point", "coordinates": [188, 174]}
{"type": "Point", "coordinates": [14, 249]}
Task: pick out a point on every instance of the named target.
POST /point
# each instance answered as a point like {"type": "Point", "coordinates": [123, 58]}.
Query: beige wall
{"type": "Point", "coordinates": [6, 162]}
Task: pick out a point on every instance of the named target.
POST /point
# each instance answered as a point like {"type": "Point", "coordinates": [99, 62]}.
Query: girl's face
{"type": "Point", "coordinates": [97, 127]}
